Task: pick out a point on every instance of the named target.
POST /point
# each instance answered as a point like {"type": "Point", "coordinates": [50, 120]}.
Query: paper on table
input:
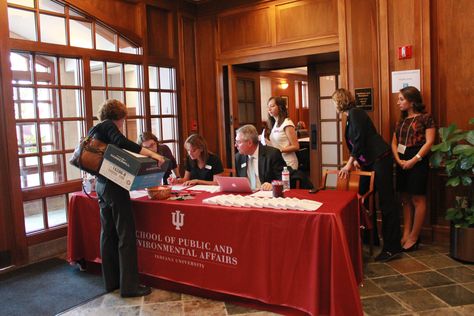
{"type": "Point", "coordinates": [262, 194]}
{"type": "Point", "coordinates": [178, 187]}
{"type": "Point", "coordinates": [265, 202]}
{"type": "Point", "coordinates": [138, 194]}
{"type": "Point", "coordinates": [205, 188]}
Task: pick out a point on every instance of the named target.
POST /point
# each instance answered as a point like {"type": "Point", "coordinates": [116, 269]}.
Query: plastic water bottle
{"type": "Point", "coordinates": [88, 182]}
{"type": "Point", "coordinates": [285, 178]}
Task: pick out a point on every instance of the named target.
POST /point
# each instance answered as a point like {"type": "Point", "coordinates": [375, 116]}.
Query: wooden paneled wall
{"type": "Point", "coordinates": [362, 52]}
{"type": "Point", "coordinates": [124, 16]}
{"type": "Point", "coordinates": [188, 76]}
{"type": "Point", "coordinates": [452, 53]}
{"type": "Point", "coordinates": [245, 31]}
{"type": "Point", "coordinates": [210, 116]}
{"type": "Point", "coordinates": [275, 26]}
{"type": "Point", "coordinates": [161, 32]}
{"type": "Point", "coordinates": [452, 59]}
{"type": "Point", "coordinates": [368, 34]}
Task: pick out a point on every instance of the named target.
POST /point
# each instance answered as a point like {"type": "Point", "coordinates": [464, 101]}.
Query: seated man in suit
{"type": "Point", "coordinates": [261, 164]}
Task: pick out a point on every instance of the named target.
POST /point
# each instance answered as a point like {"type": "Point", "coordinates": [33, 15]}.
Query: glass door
{"type": "Point", "coordinates": [331, 127]}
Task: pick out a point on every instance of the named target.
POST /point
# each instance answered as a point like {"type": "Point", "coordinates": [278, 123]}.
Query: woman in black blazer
{"type": "Point", "coordinates": [369, 152]}
{"type": "Point", "coordinates": [118, 247]}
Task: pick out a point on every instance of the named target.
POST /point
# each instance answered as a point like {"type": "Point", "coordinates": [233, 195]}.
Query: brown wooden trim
{"type": "Point", "coordinates": [221, 119]}
{"type": "Point", "coordinates": [52, 190]}
{"type": "Point", "coordinates": [343, 44]}
{"type": "Point", "coordinates": [107, 17]}
{"type": "Point", "coordinates": [320, 45]}
{"type": "Point", "coordinates": [145, 65]}
{"type": "Point", "coordinates": [232, 101]}
{"type": "Point", "coordinates": [279, 54]}
{"type": "Point", "coordinates": [71, 51]}
{"type": "Point", "coordinates": [15, 228]}
{"type": "Point", "coordinates": [285, 75]}
{"type": "Point", "coordinates": [384, 73]}
{"type": "Point", "coordinates": [426, 53]}
{"type": "Point", "coordinates": [47, 235]}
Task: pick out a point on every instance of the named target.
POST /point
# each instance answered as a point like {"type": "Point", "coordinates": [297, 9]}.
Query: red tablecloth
{"type": "Point", "coordinates": [310, 261]}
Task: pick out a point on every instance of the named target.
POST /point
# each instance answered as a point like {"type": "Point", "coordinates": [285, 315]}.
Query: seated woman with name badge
{"type": "Point", "coordinates": [200, 166]}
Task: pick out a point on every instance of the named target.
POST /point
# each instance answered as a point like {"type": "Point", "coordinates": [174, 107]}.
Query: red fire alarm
{"type": "Point", "coordinates": [404, 52]}
{"type": "Point", "coordinates": [194, 126]}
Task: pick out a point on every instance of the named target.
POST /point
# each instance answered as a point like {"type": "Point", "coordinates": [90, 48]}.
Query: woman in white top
{"type": "Point", "coordinates": [283, 133]}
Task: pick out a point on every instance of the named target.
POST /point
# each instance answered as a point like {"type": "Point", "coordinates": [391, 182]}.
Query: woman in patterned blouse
{"type": "Point", "coordinates": [411, 143]}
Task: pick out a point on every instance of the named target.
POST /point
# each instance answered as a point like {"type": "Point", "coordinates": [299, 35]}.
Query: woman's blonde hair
{"type": "Point", "coordinates": [343, 99]}
{"type": "Point", "coordinates": [112, 109]}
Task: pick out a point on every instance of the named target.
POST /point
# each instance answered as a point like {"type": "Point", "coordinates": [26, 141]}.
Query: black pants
{"type": "Point", "coordinates": [117, 238]}
{"type": "Point", "coordinates": [388, 203]}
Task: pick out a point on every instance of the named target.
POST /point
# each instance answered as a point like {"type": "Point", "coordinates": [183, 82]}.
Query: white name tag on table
{"type": "Point", "coordinates": [205, 188]}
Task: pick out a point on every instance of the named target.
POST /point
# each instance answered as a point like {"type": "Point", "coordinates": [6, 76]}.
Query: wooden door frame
{"type": "Point", "coordinates": [314, 72]}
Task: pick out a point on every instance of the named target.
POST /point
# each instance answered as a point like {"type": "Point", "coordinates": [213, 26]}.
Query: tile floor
{"type": "Point", "coordinates": [424, 282]}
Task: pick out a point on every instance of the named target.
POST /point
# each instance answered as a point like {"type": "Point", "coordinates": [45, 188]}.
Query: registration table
{"type": "Point", "coordinates": [307, 261]}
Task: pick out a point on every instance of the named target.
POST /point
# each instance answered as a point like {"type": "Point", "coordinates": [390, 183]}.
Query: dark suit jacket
{"type": "Point", "coordinates": [362, 139]}
{"type": "Point", "coordinates": [270, 164]}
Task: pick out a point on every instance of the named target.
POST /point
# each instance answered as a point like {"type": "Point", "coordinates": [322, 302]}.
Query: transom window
{"type": "Point", "coordinates": [53, 22]}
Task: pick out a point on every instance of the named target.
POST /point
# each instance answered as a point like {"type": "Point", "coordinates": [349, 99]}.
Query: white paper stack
{"type": "Point", "coordinates": [265, 202]}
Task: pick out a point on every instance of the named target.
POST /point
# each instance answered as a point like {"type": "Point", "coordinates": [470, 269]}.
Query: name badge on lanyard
{"type": "Point", "coordinates": [208, 167]}
{"type": "Point", "coordinates": [401, 148]}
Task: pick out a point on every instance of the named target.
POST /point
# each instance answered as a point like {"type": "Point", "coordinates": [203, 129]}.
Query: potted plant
{"type": "Point", "coordinates": [455, 153]}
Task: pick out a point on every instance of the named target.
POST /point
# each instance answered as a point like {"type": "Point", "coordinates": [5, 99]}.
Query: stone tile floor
{"type": "Point", "coordinates": [424, 282]}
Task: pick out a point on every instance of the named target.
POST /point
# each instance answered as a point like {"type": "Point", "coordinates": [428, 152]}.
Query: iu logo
{"type": "Point", "coordinates": [177, 218]}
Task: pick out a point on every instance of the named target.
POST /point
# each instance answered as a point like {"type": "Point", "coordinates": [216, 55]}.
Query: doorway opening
{"type": "Point", "coordinates": [306, 83]}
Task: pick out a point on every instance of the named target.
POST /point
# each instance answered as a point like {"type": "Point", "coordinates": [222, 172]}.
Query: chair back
{"type": "Point", "coordinates": [351, 183]}
{"type": "Point", "coordinates": [366, 201]}
{"type": "Point", "coordinates": [228, 172]}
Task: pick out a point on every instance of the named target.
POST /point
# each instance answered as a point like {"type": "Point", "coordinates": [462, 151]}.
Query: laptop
{"type": "Point", "coordinates": [234, 184]}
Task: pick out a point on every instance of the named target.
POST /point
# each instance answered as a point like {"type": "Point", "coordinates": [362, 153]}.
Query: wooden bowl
{"type": "Point", "coordinates": [159, 192]}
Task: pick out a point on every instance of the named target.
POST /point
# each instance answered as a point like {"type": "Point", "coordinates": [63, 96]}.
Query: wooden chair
{"type": "Point", "coordinates": [351, 183]}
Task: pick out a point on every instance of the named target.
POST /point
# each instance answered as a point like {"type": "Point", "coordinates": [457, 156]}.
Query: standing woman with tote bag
{"type": "Point", "coordinates": [118, 247]}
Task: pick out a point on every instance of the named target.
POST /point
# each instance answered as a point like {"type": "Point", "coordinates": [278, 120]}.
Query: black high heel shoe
{"type": "Point", "coordinates": [413, 247]}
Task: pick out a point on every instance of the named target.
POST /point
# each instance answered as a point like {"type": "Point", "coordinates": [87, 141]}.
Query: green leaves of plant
{"type": "Point", "coordinates": [455, 153]}
{"type": "Point", "coordinates": [454, 181]}
{"type": "Point", "coordinates": [470, 137]}
{"type": "Point", "coordinates": [436, 159]}
{"type": "Point", "coordinates": [466, 180]}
